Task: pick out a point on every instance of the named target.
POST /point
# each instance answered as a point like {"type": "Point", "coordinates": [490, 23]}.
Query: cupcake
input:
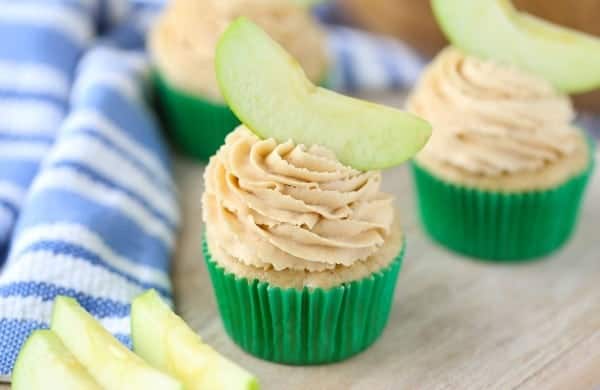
{"type": "Point", "coordinates": [302, 246]}
{"type": "Point", "coordinates": [504, 172]}
{"type": "Point", "coordinates": [182, 46]}
{"type": "Point", "coordinates": [303, 251]}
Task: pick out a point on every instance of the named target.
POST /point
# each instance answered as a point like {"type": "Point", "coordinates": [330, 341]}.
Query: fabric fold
{"type": "Point", "coordinates": [98, 220]}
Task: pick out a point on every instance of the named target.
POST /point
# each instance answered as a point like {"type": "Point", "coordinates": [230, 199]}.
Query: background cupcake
{"type": "Point", "coordinates": [503, 175]}
{"type": "Point", "coordinates": [303, 251]}
{"type": "Point", "coordinates": [182, 46]}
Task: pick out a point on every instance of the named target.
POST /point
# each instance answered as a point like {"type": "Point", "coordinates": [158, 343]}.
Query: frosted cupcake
{"type": "Point", "coordinates": [504, 173]}
{"type": "Point", "coordinates": [303, 251]}
{"type": "Point", "coordinates": [302, 247]}
{"type": "Point", "coordinates": [182, 46]}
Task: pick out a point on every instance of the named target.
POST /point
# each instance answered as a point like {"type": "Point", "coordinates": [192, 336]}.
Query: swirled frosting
{"type": "Point", "coordinates": [491, 119]}
{"type": "Point", "coordinates": [289, 207]}
{"type": "Point", "coordinates": [183, 41]}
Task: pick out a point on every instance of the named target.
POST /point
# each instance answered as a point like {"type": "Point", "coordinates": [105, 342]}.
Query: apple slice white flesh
{"type": "Point", "coordinates": [45, 363]}
{"type": "Point", "coordinates": [108, 361]}
{"type": "Point", "coordinates": [268, 90]}
{"type": "Point", "coordinates": [166, 342]}
{"type": "Point", "coordinates": [494, 29]}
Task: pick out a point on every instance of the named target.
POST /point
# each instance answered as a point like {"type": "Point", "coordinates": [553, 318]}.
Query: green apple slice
{"type": "Point", "coordinates": [494, 29]}
{"type": "Point", "coordinates": [308, 3]}
{"type": "Point", "coordinates": [268, 90]}
{"type": "Point", "coordinates": [45, 363]}
{"type": "Point", "coordinates": [165, 341]}
{"type": "Point", "coordinates": [108, 361]}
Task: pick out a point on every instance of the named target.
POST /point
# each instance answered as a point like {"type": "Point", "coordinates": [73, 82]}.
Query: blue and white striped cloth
{"type": "Point", "coordinates": [363, 62]}
{"type": "Point", "coordinates": [87, 203]}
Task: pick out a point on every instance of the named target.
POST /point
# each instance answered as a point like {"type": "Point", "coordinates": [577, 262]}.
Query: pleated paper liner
{"type": "Point", "coordinates": [308, 326]}
{"type": "Point", "coordinates": [497, 225]}
{"type": "Point", "coordinates": [197, 126]}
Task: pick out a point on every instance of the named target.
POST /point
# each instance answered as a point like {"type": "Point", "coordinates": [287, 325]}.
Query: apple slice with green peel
{"type": "Point", "coordinates": [269, 92]}
{"type": "Point", "coordinates": [494, 29]}
{"type": "Point", "coordinates": [308, 3]}
{"type": "Point", "coordinates": [165, 341]}
{"type": "Point", "coordinates": [108, 361]}
{"type": "Point", "coordinates": [45, 363]}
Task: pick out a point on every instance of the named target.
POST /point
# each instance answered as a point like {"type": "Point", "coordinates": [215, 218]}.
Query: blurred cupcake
{"type": "Point", "coordinates": [182, 46]}
{"type": "Point", "coordinates": [503, 174]}
{"type": "Point", "coordinates": [303, 251]}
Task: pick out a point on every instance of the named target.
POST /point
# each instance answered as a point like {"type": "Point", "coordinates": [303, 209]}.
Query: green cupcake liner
{"type": "Point", "coordinates": [308, 326]}
{"type": "Point", "coordinates": [197, 126]}
{"type": "Point", "coordinates": [498, 225]}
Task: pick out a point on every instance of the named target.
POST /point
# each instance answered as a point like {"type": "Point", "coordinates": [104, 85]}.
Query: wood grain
{"type": "Point", "coordinates": [456, 323]}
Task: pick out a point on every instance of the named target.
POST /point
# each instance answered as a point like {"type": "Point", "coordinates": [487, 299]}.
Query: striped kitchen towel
{"type": "Point", "coordinates": [87, 203]}
{"type": "Point", "coordinates": [364, 61]}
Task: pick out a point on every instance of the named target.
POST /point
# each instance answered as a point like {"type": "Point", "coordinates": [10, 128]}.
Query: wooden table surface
{"type": "Point", "coordinates": [456, 323]}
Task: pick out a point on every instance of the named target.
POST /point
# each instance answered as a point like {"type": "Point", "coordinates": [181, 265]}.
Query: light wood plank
{"type": "Point", "coordinates": [456, 322]}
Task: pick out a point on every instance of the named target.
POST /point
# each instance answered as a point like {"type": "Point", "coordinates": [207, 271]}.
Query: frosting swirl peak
{"type": "Point", "coordinates": [286, 206]}
{"type": "Point", "coordinates": [492, 119]}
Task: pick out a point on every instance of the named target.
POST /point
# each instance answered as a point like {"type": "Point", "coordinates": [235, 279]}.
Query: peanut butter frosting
{"type": "Point", "coordinates": [295, 213]}
{"type": "Point", "coordinates": [183, 41]}
{"type": "Point", "coordinates": [492, 120]}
